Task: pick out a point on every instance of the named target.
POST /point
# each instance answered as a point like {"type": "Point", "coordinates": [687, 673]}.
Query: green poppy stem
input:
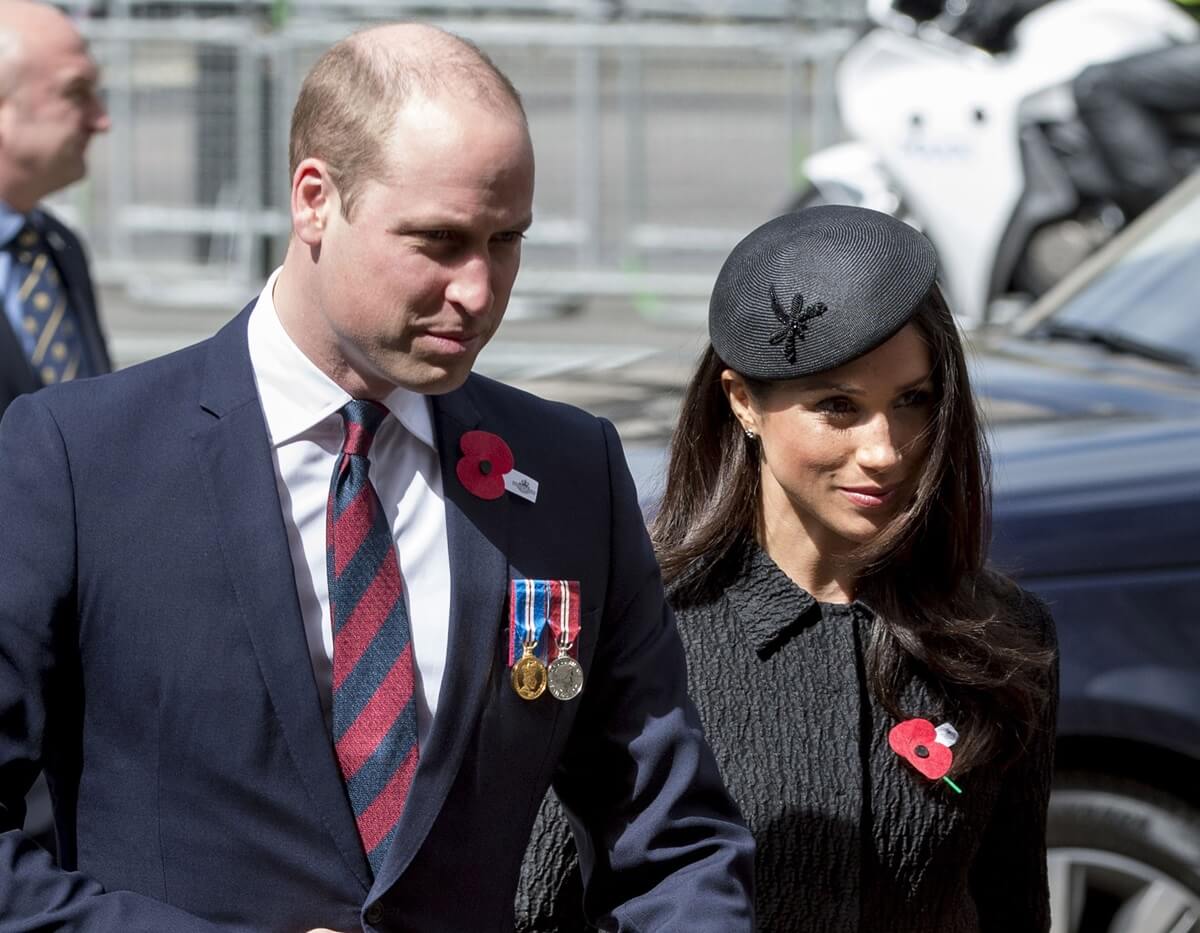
{"type": "Point", "coordinates": [955, 787]}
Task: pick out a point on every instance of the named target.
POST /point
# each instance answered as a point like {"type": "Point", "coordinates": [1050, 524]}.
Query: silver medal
{"type": "Point", "coordinates": [564, 678]}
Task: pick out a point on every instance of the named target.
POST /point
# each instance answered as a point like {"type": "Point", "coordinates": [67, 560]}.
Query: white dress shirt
{"type": "Point", "coordinates": [301, 406]}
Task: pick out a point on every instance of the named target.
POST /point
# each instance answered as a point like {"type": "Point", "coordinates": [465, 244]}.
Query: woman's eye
{"type": "Point", "coordinates": [838, 405]}
{"type": "Point", "coordinates": [915, 397]}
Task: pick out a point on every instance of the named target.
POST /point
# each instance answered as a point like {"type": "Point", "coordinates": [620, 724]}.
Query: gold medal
{"type": "Point", "coordinates": [564, 677]}
{"type": "Point", "coordinates": [529, 676]}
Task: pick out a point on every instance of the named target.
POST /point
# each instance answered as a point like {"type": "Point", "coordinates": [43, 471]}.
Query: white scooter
{"type": "Point", "coordinates": [983, 152]}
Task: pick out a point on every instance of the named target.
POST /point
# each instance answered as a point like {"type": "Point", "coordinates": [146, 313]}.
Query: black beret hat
{"type": "Point", "coordinates": [811, 290]}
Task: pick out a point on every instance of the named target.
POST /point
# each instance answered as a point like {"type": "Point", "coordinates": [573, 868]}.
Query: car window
{"type": "Point", "coordinates": [1151, 294]}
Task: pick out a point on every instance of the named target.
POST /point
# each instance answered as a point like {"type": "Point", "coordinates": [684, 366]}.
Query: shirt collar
{"type": "Point", "coordinates": [771, 608]}
{"type": "Point", "coordinates": [13, 222]}
{"type": "Point", "coordinates": [296, 396]}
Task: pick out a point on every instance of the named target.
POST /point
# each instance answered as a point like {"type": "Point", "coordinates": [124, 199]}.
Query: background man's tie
{"type": "Point", "coordinates": [374, 711]}
{"type": "Point", "coordinates": [57, 354]}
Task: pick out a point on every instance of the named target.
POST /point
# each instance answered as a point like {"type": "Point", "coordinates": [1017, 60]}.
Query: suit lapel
{"type": "Point", "coordinates": [477, 532]}
{"type": "Point", "coordinates": [13, 361]}
{"type": "Point", "coordinates": [238, 476]}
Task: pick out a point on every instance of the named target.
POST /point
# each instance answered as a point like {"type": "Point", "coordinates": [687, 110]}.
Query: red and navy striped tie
{"type": "Point", "coordinates": [374, 711]}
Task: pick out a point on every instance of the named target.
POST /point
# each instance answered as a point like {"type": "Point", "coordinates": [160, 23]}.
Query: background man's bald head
{"type": "Point", "coordinates": [26, 27]}
{"type": "Point", "coordinates": [347, 105]}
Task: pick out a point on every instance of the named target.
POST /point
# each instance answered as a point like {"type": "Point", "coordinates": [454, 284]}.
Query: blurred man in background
{"type": "Point", "coordinates": [49, 111]}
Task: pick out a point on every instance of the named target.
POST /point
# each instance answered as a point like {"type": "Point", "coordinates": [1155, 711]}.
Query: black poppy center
{"type": "Point", "coordinates": [921, 751]}
{"type": "Point", "coordinates": [485, 467]}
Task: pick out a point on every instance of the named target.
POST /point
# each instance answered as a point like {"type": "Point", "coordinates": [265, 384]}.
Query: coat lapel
{"type": "Point", "coordinates": [238, 476]}
{"type": "Point", "coordinates": [477, 533]}
{"type": "Point", "coordinates": [13, 361]}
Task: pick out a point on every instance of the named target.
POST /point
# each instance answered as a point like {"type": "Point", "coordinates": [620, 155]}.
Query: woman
{"type": "Point", "coordinates": [882, 707]}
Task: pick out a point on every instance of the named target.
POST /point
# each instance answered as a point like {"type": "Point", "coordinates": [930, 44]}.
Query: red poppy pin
{"type": "Point", "coordinates": [485, 460]}
{"type": "Point", "coordinates": [925, 748]}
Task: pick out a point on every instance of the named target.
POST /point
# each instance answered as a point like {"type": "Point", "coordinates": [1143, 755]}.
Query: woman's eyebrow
{"type": "Point", "coordinates": [822, 385]}
{"type": "Point", "coordinates": [919, 381]}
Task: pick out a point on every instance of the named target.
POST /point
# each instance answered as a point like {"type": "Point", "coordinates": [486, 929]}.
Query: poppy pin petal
{"type": "Point", "coordinates": [485, 461]}
{"type": "Point", "coordinates": [917, 742]}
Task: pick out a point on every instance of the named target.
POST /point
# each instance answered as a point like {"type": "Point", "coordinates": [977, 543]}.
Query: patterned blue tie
{"type": "Point", "coordinates": [57, 354]}
{"type": "Point", "coordinates": [374, 703]}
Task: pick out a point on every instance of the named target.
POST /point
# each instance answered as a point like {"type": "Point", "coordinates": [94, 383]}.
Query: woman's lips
{"type": "Point", "coordinates": [869, 497]}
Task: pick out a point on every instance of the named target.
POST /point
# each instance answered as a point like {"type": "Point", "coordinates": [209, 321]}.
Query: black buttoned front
{"type": "Point", "coordinates": [374, 914]}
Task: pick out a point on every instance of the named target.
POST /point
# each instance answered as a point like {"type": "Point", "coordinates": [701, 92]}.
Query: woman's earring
{"type": "Point", "coordinates": [750, 435]}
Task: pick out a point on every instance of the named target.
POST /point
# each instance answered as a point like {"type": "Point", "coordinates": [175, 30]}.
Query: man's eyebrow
{"type": "Point", "coordinates": [88, 79]}
{"type": "Point", "coordinates": [458, 224]}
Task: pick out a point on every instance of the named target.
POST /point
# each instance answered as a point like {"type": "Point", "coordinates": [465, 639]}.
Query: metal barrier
{"type": "Point", "coordinates": [659, 144]}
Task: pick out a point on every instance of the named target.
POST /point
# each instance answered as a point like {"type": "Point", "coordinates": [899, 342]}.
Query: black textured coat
{"type": "Point", "coordinates": [850, 836]}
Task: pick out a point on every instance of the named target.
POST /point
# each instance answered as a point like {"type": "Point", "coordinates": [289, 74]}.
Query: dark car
{"type": "Point", "coordinates": [1094, 401]}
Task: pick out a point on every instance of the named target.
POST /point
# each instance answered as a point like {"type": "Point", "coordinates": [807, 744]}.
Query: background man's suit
{"type": "Point", "coordinates": [17, 376]}
{"type": "Point", "coordinates": [152, 657]}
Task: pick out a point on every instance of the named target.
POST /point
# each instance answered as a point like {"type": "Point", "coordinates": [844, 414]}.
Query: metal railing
{"type": "Point", "coordinates": [659, 142]}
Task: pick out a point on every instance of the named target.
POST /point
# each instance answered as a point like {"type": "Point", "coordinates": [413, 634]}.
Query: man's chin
{"type": "Point", "coordinates": [433, 380]}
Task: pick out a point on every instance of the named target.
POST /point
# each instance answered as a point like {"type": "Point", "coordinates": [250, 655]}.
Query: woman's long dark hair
{"type": "Point", "coordinates": [939, 614]}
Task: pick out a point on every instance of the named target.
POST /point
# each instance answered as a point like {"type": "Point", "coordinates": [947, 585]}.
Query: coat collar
{"type": "Point", "coordinates": [772, 609]}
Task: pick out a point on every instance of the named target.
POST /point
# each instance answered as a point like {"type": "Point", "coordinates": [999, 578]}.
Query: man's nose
{"type": "Point", "coordinates": [101, 122]}
{"type": "Point", "coordinates": [471, 287]}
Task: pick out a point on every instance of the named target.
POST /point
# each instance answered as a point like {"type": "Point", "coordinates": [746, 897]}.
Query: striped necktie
{"type": "Point", "coordinates": [57, 353]}
{"type": "Point", "coordinates": [374, 710]}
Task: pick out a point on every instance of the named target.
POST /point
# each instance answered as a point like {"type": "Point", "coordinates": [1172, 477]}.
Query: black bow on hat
{"type": "Point", "coordinates": [811, 290]}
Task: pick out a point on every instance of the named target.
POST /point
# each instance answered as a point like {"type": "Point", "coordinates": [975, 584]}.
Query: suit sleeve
{"type": "Point", "coordinates": [661, 845]}
{"type": "Point", "coordinates": [37, 655]}
{"type": "Point", "coordinates": [1009, 876]}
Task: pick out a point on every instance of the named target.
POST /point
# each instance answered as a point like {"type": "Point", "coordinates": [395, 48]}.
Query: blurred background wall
{"type": "Point", "coordinates": [664, 129]}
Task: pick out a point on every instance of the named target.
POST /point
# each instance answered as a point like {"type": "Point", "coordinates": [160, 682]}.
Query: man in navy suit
{"type": "Point", "coordinates": [49, 111]}
{"type": "Point", "coordinates": [276, 610]}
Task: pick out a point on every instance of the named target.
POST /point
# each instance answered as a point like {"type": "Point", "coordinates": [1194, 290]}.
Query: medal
{"type": "Point", "coordinates": [529, 676]}
{"type": "Point", "coordinates": [528, 673]}
{"type": "Point", "coordinates": [565, 675]}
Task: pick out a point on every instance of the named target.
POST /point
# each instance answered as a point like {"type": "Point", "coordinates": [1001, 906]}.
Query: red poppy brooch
{"type": "Point", "coordinates": [486, 468]}
{"type": "Point", "coordinates": [926, 748]}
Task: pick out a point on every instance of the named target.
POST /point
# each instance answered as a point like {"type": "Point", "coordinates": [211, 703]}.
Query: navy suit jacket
{"type": "Point", "coordinates": [153, 661]}
{"type": "Point", "coordinates": [16, 375]}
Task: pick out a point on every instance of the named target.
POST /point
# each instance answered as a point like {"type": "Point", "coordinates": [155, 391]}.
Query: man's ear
{"type": "Point", "coordinates": [739, 400]}
{"type": "Point", "coordinates": [314, 201]}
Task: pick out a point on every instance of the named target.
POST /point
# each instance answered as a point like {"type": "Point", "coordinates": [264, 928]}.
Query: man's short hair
{"type": "Point", "coordinates": [347, 106]}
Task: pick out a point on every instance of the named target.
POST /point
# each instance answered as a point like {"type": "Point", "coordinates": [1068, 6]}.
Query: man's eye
{"type": "Point", "coordinates": [512, 236]}
{"type": "Point", "coordinates": [438, 235]}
